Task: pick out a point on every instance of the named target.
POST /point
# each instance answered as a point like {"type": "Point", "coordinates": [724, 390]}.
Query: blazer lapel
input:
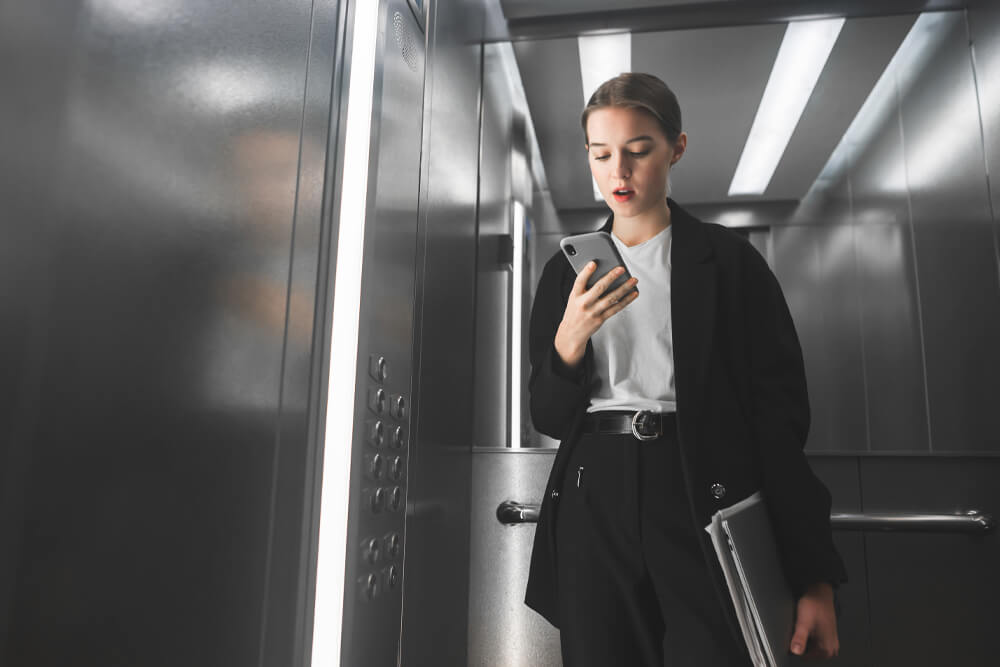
{"type": "Point", "coordinates": [692, 295]}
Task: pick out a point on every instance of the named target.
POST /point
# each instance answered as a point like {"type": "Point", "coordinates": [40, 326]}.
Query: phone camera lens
{"type": "Point", "coordinates": [570, 249]}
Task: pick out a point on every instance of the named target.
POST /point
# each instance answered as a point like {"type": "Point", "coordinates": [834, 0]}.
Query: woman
{"type": "Point", "coordinates": [680, 392]}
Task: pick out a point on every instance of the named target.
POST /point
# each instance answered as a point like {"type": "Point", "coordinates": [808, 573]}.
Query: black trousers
{"type": "Point", "coordinates": [634, 588]}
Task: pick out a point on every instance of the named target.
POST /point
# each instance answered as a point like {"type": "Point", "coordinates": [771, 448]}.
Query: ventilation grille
{"type": "Point", "coordinates": [404, 39]}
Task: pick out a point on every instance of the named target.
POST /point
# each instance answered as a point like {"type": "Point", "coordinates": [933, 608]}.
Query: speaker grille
{"type": "Point", "coordinates": [404, 39]}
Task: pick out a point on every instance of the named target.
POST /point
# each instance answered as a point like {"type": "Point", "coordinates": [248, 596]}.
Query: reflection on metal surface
{"type": "Point", "coordinates": [510, 513]}
{"type": "Point", "coordinates": [916, 51]}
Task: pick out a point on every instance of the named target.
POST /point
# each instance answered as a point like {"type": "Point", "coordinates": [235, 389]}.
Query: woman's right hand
{"type": "Point", "coordinates": [587, 310]}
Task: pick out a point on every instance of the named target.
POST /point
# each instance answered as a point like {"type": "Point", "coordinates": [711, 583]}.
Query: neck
{"type": "Point", "coordinates": [637, 229]}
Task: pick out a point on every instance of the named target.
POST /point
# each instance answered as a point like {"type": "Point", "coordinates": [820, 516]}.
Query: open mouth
{"type": "Point", "coordinates": [623, 194]}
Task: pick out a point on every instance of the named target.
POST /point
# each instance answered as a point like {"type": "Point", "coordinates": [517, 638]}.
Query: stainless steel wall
{"type": "Point", "coordinates": [435, 596]}
{"type": "Point", "coordinates": [494, 263]}
{"type": "Point", "coordinates": [162, 185]}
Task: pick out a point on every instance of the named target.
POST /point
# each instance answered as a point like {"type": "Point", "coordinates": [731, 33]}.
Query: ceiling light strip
{"type": "Point", "coordinates": [339, 429]}
{"type": "Point", "coordinates": [602, 57]}
{"type": "Point", "coordinates": [802, 55]}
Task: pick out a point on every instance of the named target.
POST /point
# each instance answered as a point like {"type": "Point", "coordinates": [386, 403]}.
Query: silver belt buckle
{"type": "Point", "coordinates": [636, 420]}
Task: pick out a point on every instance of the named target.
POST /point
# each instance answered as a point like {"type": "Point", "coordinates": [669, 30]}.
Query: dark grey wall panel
{"type": "Point", "coordinates": [935, 598]}
{"type": "Point", "coordinates": [161, 149]}
{"type": "Point", "coordinates": [955, 251]}
{"type": "Point", "coordinates": [815, 265]}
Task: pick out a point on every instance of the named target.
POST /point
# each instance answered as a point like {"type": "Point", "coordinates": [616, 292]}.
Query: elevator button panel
{"type": "Point", "coordinates": [384, 474]}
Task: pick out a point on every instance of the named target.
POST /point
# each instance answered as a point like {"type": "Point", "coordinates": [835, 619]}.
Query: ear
{"type": "Point", "coordinates": [679, 147]}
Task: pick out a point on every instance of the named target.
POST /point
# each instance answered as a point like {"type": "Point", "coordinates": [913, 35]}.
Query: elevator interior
{"type": "Point", "coordinates": [190, 362]}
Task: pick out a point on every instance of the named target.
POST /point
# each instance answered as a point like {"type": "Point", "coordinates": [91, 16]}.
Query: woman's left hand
{"type": "Point", "coordinates": [815, 634]}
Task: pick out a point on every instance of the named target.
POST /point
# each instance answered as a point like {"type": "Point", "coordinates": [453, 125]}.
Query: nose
{"type": "Point", "coordinates": [621, 168]}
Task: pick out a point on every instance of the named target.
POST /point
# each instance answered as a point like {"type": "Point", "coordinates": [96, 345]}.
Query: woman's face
{"type": "Point", "coordinates": [630, 158]}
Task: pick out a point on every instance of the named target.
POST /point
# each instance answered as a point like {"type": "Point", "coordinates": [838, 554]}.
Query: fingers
{"type": "Point", "coordinates": [801, 635]}
{"type": "Point", "coordinates": [611, 298]}
{"type": "Point", "coordinates": [619, 305]}
{"type": "Point", "coordinates": [601, 286]}
{"type": "Point", "coordinates": [815, 638]}
{"type": "Point", "coordinates": [580, 284]}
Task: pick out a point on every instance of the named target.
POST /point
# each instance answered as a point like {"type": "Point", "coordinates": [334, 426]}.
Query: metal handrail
{"type": "Point", "coordinates": [972, 521]}
{"type": "Point", "coordinates": [510, 512]}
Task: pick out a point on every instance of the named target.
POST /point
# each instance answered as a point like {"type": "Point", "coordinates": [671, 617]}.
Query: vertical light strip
{"type": "Point", "coordinates": [601, 58]}
{"type": "Point", "coordinates": [802, 55]}
{"type": "Point", "coordinates": [515, 327]}
{"type": "Point", "coordinates": [339, 430]}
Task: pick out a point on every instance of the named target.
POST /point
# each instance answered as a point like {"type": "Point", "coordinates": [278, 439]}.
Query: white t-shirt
{"type": "Point", "coordinates": [633, 349]}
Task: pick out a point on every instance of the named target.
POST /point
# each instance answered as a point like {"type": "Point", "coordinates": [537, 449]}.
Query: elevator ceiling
{"type": "Point", "coordinates": [719, 75]}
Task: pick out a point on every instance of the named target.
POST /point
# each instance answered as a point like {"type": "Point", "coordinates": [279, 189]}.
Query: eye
{"type": "Point", "coordinates": [602, 158]}
{"type": "Point", "coordinates": [638, 153]}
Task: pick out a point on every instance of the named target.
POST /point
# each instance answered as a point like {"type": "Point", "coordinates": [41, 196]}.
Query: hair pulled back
{"type": "Point", "coordinates": [637, 90]}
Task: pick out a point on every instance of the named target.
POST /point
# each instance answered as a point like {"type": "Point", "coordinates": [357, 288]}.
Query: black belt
{"type": "Point", "coordinates": [643, 425]}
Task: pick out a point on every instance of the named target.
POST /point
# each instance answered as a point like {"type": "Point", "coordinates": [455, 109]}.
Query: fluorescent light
{"type": "Point", "coordinates": [328, 611]}
{"type": "Point", "coordinates": [801, 57]}
{"type": "Point", "coordinates": [602, 57]}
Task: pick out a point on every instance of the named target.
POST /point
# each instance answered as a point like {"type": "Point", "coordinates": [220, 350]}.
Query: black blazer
{"type": "Point", "coordinates": [742, 407]}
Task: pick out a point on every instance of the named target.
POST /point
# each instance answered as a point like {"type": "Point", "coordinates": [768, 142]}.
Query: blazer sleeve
{"type": "Point", "coordinates": [556, 391]}
{"type": "Point", "coordinates": [798, 502]}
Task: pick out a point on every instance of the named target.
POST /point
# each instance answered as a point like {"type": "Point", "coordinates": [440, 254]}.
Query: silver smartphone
{"type": "Point", "coordinates": [598, 247]}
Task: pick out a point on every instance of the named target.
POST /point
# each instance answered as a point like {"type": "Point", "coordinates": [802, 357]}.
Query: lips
{"type": "Point", "coordinates": [623, 194]}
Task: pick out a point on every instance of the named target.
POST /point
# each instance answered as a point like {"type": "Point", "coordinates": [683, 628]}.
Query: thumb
{"type": "Point", "coordinates": [800, 637]}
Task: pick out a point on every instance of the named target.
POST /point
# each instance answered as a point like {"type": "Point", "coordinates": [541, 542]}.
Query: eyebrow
{"type": "Point", "coordinates": [643, 137]}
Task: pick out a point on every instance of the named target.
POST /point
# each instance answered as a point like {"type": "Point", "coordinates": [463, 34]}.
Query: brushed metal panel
{"type": "Point", "coordinates": [502, 629]}
{"type": "Point", "coordinates": [435, 611]}
{"type": "Point", "coordinates": [890, 323]}
{"type": "Point", "coordinates": [934, 598]}
{"type": "Point", "coordinates": [815, 266]}
{"type": "Point", "coordinates": [169, 139]}
{"type": "Point", "coordinates": [955, 246]}
{"type": "Point", "coordinates": [371, 627]}
{"type": "Point", "coordinates": [493, 278]}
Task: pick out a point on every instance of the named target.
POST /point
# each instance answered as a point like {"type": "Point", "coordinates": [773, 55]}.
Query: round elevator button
{"type": "Point", "coordinates": [395, 498]}
{"type": "Point", "coordinates": [392, 544]}
{"type": "Point", "coordinates": [718, 490]}
{"type": "Point", "coordinates": [369, 586]}
{"type": "Point", "coordinates": [372, 550]}
{"type": "Point", "coordinates": [376, 500]}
